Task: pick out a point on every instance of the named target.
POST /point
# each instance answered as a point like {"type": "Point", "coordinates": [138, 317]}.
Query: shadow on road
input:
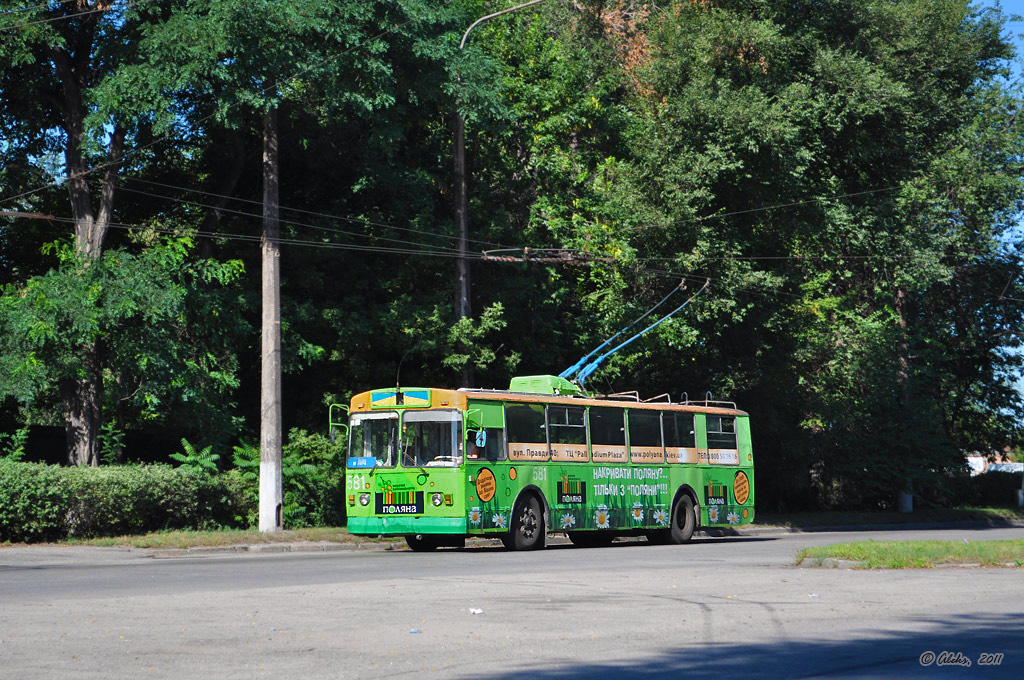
{"type": "Point", "coordinates": [889, 655]}
{"type": "Point", "coordinates": [628, 542]}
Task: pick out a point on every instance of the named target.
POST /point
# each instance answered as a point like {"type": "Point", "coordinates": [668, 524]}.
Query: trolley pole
{"type": "Point", "coordinates": [462, 306]}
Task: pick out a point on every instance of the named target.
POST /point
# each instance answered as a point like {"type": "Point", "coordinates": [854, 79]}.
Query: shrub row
{"type": "Point", "coordinates": [993, 488]}
{"type": "Point", "coordinates": [47, 502]}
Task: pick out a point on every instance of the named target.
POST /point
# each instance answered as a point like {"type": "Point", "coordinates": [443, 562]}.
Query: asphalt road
{"type": "Point", "coordinates": [724, 607]}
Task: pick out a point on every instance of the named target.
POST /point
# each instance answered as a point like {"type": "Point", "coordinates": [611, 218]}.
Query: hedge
{"type": "Point", "coordinates": [46, 502]}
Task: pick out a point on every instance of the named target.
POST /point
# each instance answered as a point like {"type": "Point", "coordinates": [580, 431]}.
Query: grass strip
{"type": "Point", "coordinates": [920, 554]}
{"type": "Point", "coordinates": [922, 516]}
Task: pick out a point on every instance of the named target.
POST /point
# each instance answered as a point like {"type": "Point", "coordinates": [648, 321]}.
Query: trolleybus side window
{"type": "Point", "coordinates": [494, 445]}
{"type": "Point", "coordinates": [608, 434]}
{"type": "Point", "coordinates": [680, 438]}
{"type": "Point", "coordinates": [567, 426]}
{"type": "Point", "coordinates": [373, 435]}
{"type": "Point", "coordinates": [527, 432]}
{"type": "Point", "coordinates": [721, 432]}
{"type": "Point", "coordinates": [645, 436]}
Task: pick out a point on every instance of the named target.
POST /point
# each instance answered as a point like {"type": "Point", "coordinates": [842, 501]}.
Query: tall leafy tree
{"type": "Point", "coordinates": [54, 59]}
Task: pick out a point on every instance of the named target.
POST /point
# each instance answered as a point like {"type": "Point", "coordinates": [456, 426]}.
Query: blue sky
{"type": "Point", "coordinates": [1014, 28]}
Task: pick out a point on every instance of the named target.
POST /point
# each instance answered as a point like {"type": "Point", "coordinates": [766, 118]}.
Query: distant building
{"type": "Point", "coordinates": [996, 462]}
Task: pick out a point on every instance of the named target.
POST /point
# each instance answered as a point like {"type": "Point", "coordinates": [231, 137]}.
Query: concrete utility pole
{"type": "Point", "coordinates": [462, 308]}
{"type": "Point", "coordinates": [271, 496]}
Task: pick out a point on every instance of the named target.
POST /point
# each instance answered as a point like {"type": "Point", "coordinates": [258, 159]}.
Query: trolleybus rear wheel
{"type": "Point", "coordinates": [528, 525]}
{"type": "Point", "coordinates": [684, 521]}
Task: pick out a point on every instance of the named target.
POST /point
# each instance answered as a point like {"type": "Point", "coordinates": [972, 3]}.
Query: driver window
{"type": "Point", "coordinates": [493, 449]}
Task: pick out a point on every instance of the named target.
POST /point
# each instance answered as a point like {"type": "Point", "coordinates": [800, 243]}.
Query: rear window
{"type": "Point", "coordinates": [721, 432]}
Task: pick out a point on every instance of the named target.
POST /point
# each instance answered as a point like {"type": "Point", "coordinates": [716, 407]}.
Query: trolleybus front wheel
{"type": "Point", "coordinates": [421, 543]}
{"type": "Point", "coordinates": [527, 525]}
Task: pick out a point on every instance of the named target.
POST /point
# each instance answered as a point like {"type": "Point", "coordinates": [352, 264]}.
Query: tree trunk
{"type": "Point", "coordinates": [82, 398]}
{"type": "Point", "coordinates": [82, 395]}
{"type": "Point", "coordinates": [271, 497]}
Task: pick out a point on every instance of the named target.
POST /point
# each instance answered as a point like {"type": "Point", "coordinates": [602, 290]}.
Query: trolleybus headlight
{"type": "Point", "coordinates": [437, 499]}
{"type": "Point", "coordinates": [364, 499]}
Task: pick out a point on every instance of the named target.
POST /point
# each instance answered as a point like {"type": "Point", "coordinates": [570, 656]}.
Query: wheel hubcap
{"type": "Point", "coordinates": [527, 523]}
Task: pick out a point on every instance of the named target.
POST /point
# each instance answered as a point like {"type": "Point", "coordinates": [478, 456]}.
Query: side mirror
{"type": "Point", "coordinates": [481, 438]}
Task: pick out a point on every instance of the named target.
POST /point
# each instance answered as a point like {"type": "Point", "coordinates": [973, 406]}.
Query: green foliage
{"type": "Point", "coordinates": [312, 475]}
{"type": "Point", "coordinates": [157, 314]}
{"type": "Point", "coordinates": [318, 484]}
{"type": "Point", "coordinates": [47, 503]}
{"type": "Point", "coordinates": [111, 444]}
{"type": "Point", "coordinates": [846, 174]}
{"type": "Point", "coordinates": [197, 460]}
{"type": "Point", "coordinates": [14, 444]}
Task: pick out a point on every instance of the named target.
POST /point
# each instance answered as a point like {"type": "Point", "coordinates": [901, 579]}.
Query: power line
{"type": "Point", "coordinates": [756, 258]}
{"type": "Point", "coordinates": [820, 199]}
{"type": "Point", "coordinates": [65, 17]}
{"type": "Point", "coordinates": [313, 213]}
{"type": "Point", "coordinates": [290, 222]}
{"type": "Point", "coordinates": [696, 278]}
{"type": "Point", "coordinates": [251, 238]}
{"type": "Point", "coordinates": [45, 5]}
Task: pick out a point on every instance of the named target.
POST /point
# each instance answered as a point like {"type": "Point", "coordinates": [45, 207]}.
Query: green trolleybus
{"type": "Point", "coordinates": [436, 466]}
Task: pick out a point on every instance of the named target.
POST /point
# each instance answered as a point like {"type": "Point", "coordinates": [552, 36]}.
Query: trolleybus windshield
{"type": "Point", "coordinates": [431, 438]}
{"type": "Point", "coordinates": [372, 440]}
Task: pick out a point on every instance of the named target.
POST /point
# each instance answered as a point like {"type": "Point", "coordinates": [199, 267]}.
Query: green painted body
{"type": "Point", "coordinates": [478, 497]}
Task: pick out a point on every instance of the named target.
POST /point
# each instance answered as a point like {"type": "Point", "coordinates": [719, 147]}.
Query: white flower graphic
{"type": "Point", "coordinates": [499, 520]}
{"type": "Point", "coordinates": [568, 520]}
{"type": "Point", "coordinates": [601, 518]}
{"type": "Point", "coordinates": [713, 514]}
{"type": "Point", "coordinates": [474, 515]}
{"type": "Point", "coordinates": [638, 513]}
{"type": "Point", "coordinates": [661, 517]}
{"type": "Point", "coordinates": [733, 518]}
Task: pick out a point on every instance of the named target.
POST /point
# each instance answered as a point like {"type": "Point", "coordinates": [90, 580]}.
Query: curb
{"type": "Point", "coordinates": [273, 548]}
{"type": "Point", "coordinates": [322, 546]}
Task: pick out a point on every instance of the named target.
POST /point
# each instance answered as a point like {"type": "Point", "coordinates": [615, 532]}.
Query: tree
{"type": "Point", "coordinates": [53, 59]}
{"type": "Point", "coordinates": [148, 311]}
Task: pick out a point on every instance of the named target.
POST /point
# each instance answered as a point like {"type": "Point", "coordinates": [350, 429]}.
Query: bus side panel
{"type": "Point", "coordinates": [606, 497]}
